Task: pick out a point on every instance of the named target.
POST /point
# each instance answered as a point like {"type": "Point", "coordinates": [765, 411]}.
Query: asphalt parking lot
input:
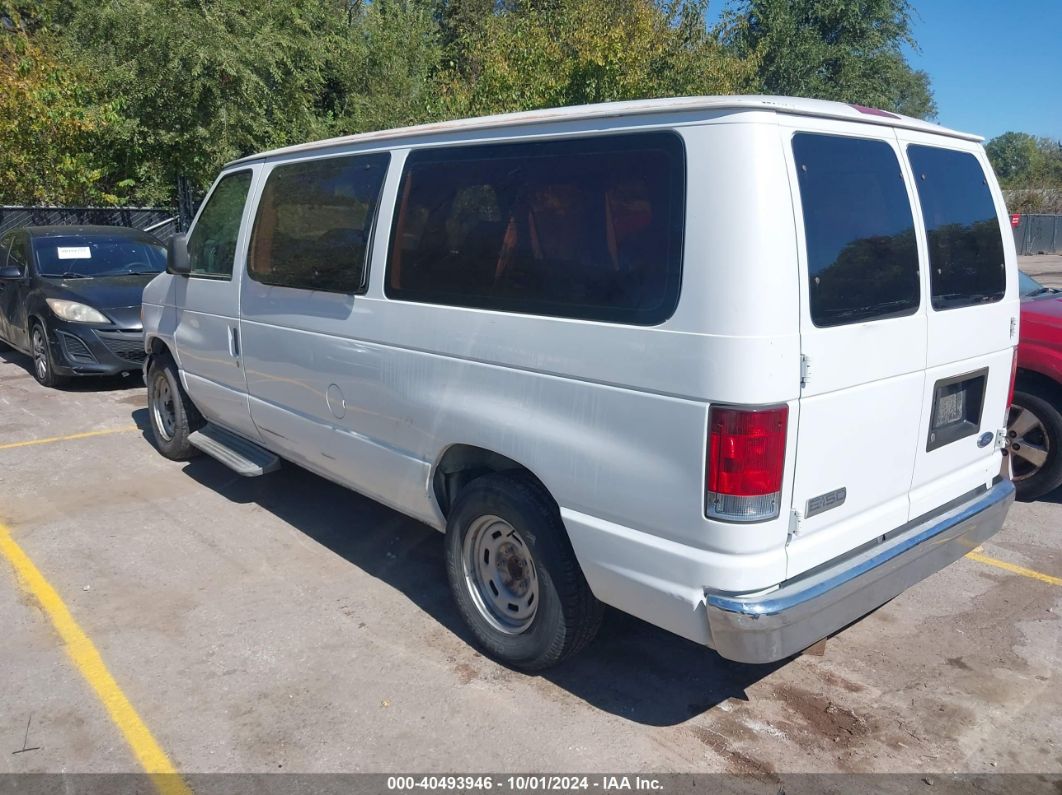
{"type": "Point", "coordinates": [285, 624]}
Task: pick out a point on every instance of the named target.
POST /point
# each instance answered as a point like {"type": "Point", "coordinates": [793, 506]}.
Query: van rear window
{"type": "Point", "coordinates": [965, 243]}
{"type": "Point", "coordinates": [588, 228]}
{"type": "Point", "coordinates": [859, 228]}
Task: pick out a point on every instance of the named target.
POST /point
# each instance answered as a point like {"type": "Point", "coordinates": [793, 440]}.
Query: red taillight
{"type": "Point", "coordinates": [746, 458]}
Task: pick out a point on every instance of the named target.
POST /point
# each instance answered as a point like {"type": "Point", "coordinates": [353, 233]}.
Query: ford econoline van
{"type": "Point", "coordinates": [738, 366]}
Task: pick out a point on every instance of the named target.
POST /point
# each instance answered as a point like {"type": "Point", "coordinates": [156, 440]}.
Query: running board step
{"type": "Point", "coordinates": [235, 452]}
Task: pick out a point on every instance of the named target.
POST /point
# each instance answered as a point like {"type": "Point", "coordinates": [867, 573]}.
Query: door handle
{"type": "Point", "coordinates": [234, 343]}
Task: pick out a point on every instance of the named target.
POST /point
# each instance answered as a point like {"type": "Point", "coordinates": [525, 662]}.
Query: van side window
{"type": "Point", "coordinates": [589, 228]}
{"type": "Point", "coordinates": [313, 223]}
{"type": "Point", "coordinates": [212, 244]}
{"type": "Point", "coordinates": [859, 228]}
{"type": "Point", "coordinates": [965, 244]}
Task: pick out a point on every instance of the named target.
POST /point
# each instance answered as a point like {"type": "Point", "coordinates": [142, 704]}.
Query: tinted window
{"type": "Point", "coordinates": [965, 243]}
{"type": "Point", "coordinates": [5, 247]}
{"type": "Point", "coordinates": [212, 244]}
{"type": "Point", "coordinates": [589, 228]}
{"type": "Point", "coordinates": [859, 229]}
{"type": "Point", "coordinates": [74, 256]}
{"type": "Point", "coordinates": [19, 257]}
{"type": "Point", "coordinates": [313, 223]}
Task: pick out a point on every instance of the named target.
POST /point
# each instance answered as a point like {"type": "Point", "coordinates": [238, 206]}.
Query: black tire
{"type": "Point", "coordinates": [567, 615]}
{"type": "Point", "coordinates": [43, 365]}
{"type": "Point", "coordinates": [171, 412]}
{"type": "Point", "coordinates": [1031, 483]}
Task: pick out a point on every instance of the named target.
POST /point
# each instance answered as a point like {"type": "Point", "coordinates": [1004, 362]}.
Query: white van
{"type": "Point", "coordinates": [737, 366]}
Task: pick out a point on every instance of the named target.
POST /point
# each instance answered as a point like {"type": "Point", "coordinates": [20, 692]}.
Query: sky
{"type": "Point", "coordinates": [994, 65]}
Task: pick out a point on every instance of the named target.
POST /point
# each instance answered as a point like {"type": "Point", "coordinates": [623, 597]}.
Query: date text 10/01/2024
{"type": "Point", "coordinates": [524, 783]}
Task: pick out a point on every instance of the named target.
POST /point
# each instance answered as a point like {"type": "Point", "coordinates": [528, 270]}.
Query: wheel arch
{"type": "Point", "coordinates": [157, 348]}
{"type": "Point", "coordinates": [1039, 384]}
{"type": "Point", "coordinates": [459, 464]}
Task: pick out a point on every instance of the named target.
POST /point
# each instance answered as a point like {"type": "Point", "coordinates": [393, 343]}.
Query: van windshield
{"type": "Point", "coordinates": [87, 256]}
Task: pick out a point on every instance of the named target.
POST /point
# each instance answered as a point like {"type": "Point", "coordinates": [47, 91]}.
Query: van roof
{"type": "Point", "coordinates": [792, 105]}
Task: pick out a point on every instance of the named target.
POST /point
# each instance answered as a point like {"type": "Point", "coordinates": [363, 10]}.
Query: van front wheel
{"type": "Point", "coordinates": [514, 575]}
{"type": "Point", "coordinates": [172, 415]}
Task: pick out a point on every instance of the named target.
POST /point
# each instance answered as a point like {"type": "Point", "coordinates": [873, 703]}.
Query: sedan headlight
{"type": "Point", "coordinates": [75, 312]}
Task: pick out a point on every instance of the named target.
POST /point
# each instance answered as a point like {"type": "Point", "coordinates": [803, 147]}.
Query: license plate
{"type": "Point", "coordinates": [950, 408]}
{"type": "Point", "coordinates": [957, 403]}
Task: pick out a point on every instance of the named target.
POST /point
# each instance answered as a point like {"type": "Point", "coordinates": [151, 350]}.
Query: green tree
{"type": "Point", "coordinates": [1030, 169]}
{"type": "Point", "coordinates": [197, 84]}
{"type": "Point", "coordinates": [50, 122]}
{"type": "Point", "coordinates": [846, 50]}
{"type": "Point", "coordinates": [1013, 156]}
{"type": "Point", "coordinates": [387, 78]}
{"type": "Point", "coordinates": [566, 52]}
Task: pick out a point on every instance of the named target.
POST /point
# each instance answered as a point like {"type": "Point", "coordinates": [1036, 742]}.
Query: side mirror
{"type": "Point", "coordinates": [177, 261]}
{"type": "Point", "coordinates": [10, 272]}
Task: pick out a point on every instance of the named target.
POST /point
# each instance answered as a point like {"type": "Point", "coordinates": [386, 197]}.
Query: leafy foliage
{"type": "Point", "coordinates": [846, 50]}
{"type": "Point", "coordinates": [49, 123]}
{"type": "Point", "coordinates": [571, 52]}
{"type": "Point", "coordinates": [1030, 169]}
{"type": "Point", "coordinates": [108, 101]}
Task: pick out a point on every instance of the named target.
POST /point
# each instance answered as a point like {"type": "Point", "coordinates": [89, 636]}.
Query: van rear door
{"type": "Point", "coordinates": [972, 317]}
{"type": "Point", "coordinates": [863, 333]}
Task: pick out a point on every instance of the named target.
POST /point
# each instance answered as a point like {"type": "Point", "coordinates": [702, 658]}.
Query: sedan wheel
{"type": "Point", "coordinates": [1027, 441]}
{"type": "Point", "coordinates": [40, 355]}
{"type": "Point", "coordinates": [43, 366]}
{"type": "Point", "coordinates": [1034, 443]}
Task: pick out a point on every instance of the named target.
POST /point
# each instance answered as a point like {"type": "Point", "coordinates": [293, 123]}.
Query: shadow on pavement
{"type": "Point", "coordinates": [633, 670]}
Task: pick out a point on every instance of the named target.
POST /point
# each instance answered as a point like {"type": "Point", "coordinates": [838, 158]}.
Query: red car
{"type": "Point", "coordinates": [1035, 422]}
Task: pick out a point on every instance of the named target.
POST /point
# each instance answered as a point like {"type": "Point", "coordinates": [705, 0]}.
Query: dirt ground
{"type": "Point", "coordinates": [284, 624]}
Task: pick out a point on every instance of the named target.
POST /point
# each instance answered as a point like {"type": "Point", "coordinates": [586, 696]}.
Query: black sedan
{"type": "Point", "coordinates": [70, 297]}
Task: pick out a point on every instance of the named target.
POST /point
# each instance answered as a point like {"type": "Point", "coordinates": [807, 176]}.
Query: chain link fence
{"type": "Point", "coordinates": [162, 222]}
{"type": "Point", "coordinates": [1038, 234]}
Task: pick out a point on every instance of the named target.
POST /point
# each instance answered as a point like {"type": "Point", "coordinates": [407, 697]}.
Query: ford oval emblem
{"type": "Point", "coordinates": [986, 439]}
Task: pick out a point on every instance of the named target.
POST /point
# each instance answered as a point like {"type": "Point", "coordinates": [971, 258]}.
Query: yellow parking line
{"type": "Point", "coordinates": [90, 664]}
{"type": "Point", "coordinates": [86, 435]}
{"type": "Point", "coordinates": [1024, 572]}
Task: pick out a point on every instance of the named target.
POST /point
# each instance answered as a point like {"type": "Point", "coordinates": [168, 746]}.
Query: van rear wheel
{"type": "Point", "coordinates": [514, 575]}
{"type": "Point", "coordinates": [172, 415]}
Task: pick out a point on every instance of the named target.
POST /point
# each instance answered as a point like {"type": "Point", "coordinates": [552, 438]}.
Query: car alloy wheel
{"type": "Point", "coordinates": [40, 354]}
{"type": "Point", "coordinates": [1028, 443]}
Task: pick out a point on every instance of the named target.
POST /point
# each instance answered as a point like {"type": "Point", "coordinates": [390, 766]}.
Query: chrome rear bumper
{"type": "Point", "coordinates": [776, 625]}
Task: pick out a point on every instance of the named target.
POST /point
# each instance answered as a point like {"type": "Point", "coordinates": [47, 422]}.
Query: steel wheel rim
{"type": "Point", "coordinates": [1028, 443]}
{"type": "Point", "coordinates": [40, 354]}
{"type": "Point", "coordinates": [500, 575]}
{"type": "Point", "coordinates": [163, 409]}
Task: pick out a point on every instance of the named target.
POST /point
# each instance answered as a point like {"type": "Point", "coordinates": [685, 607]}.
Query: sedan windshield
{"type": "Point", "coordinates": [86, 256]}
{"type": "Point", "coordinates": [1028, 287]}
